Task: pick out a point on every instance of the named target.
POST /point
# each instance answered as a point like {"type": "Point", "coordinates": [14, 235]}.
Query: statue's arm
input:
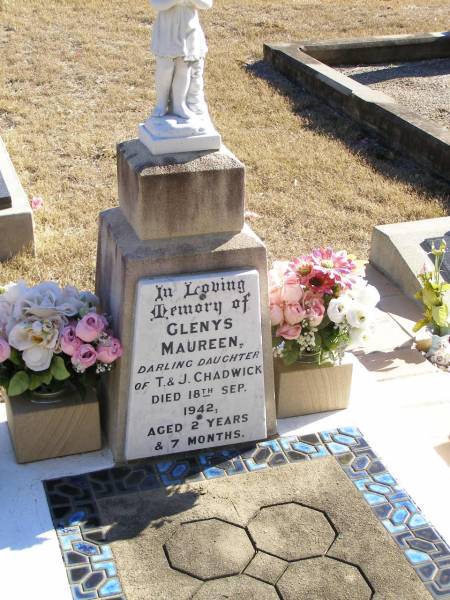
{"type": "Point", "coordinates": [163, 4]}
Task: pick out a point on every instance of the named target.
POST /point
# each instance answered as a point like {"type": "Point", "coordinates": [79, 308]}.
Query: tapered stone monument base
{"type": "Point", "coordinates": [123, 260]}
{"type": "Point", "coordinates": [197, 363]}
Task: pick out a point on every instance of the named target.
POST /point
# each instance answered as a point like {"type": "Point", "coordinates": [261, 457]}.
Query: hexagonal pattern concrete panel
{"type": "Point", "coordinates": [291, 531]}
{"type": "Point", "coordinates": [324, 578]}
{"type": "Point", "coordinates": [209, 549]}
{"type": "Point", "coordinates": [241, 587]}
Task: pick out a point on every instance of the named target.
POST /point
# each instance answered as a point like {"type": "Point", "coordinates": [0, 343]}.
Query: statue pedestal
{"type": "Point", "coordinates": [185, 282]}
{"type": "Point", "coordinates": [166, 141]}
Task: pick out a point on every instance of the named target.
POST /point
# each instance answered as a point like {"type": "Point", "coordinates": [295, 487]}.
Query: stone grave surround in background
{"type": "Point", "coordinates": [185, 281]}
{"type": "Point", "coordinates": [16, 218]}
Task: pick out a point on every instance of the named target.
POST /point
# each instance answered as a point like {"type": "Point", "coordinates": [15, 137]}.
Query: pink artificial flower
{"type": "Point", "coordinates": [69, 342]}
{"type": "Point", "coordinates": [90, 327]}
{"type": "Point", "coordinates": [319, 283]}
{"type": "Point", "coordinates": [37, 202]}
{"type": "Point", "coordinates": [302, 266]}
{"type": "Point", "coordinates": [314, 308]}
{"type": "Point", "coordinates": [336, 267]}
{"type": "Point", "coordinates": [5, 350]}
{"type": "Point", "coordinates": [109, 351]}
{"type": "Point", "coordinates": [275, 276]}
{"type": "Point", "coordinates": [84, 357]}
{"type": "Point", "coordinates": [294, 313]}
{"type": "Point", "coordinates": [289, 332]}
{"type": "Point", "coordinates": [276, 314]}
{"type": "Point", "coordinates": [275, 295]}
{"type": "Point", "coordinates": [292, 290]}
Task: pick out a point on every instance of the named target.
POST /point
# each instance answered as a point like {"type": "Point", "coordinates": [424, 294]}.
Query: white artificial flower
{"type": "Point", "coordinates": [358, 284]}
{"type": "Point", "coordinates": [5, 316]}
{"type": "Point", "coordinates": [12, 292]}
{"type": "Point", "coordinates": [359, 337]}
{"type": "Point", "coordinates": [37, 340]}
{"type": "Point", "coordinates": [90, 302]}
{"type": "Point", "coordinates": [359, 315]}
{"type": "Point", "coordinates": [46, 301]}
{"type": "Point", "coordinates": [368, 295]}
{"type": "Point", "coordinates": [37, 358]}
{"type": "Point", "coordinates": [337, 308]}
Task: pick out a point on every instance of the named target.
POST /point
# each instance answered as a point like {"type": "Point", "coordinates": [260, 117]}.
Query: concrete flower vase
{"type": "Point", "coordinates": [302, 389]}
{"type": "Point", "coordinates": [52, 429]}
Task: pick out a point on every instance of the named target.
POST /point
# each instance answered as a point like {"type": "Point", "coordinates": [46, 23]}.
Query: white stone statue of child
{"type": "Point", "coordinates": [179, 45]}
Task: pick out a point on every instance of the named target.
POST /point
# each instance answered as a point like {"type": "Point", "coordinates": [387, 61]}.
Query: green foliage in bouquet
{"type": "Point", "coordinates": [433, 296]}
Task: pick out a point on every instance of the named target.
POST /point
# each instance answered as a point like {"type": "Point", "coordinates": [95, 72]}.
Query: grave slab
{"type": "Point", "coordinates": [266, 567]}
{"type": "Point", "coordinates": [363, 559]}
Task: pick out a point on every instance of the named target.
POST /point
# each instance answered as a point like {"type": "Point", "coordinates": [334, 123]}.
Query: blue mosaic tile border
{"type": "Point", "coordinates": [89, 561]}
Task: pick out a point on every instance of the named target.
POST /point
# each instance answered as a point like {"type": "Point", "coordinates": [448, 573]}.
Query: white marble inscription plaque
{"type": "Point", "coordinates": [197, 376]}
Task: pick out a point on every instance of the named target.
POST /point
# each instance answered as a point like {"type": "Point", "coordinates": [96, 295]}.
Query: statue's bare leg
{"type": "Point", "coordinates": [180, 86]}
{"type": "Point", "coordinates": [196, 97]}
{"type": "Point", "coordinates": [165, 68]}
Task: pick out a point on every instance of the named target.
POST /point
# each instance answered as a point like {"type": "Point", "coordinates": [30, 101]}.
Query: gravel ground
{"type": "Point", "coordinates": [422, 86]}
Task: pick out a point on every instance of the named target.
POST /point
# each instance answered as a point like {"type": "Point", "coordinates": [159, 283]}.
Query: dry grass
{"type": "Point", "coordinates": [77, 79]}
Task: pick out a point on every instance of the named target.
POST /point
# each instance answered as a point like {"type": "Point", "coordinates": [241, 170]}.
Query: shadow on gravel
{"type": "Point", "coordinates": [319, 117]}
{"type": "Point", "coordinates": [422, 68]}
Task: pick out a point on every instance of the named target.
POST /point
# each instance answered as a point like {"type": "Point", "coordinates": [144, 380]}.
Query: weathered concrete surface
{"type": "Point", "coordinates": [291, 531]}
{"type": "Point", "coordinates": [323, 578]}
{"type": "Point", "coordinates": [425, 141]}
{"type": "Point", "coordinates": [386, 48]}
{"type": "Point", "coordinates": [16, 222]}
{"type": "Point", "coordinates": [266, 567]}
{"type": "Point", "coordinates": [241, 587]}
{"type": "Point", "coordinates": [142, 523]}
{"type": "Point", "coordinates": [209, 549]}
{"type": "Point", "coordinates": [395, 250]}
{"type": "Point", "coordinates": [192, 193]}
{"type": "Point", "coordinates": [123, 259]}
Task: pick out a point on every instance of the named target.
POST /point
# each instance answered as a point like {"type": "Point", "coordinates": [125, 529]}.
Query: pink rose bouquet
{"type": "Point", "coordinates": [49, 334]}
{"type": "Point", "coordinates": [319, 306]}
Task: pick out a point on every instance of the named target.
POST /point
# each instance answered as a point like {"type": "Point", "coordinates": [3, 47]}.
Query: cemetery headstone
{"type": "Point", "coordinates": [185, 281]}
{"type": "Point", "coordinates": [182, 276]}
{"type": "Point", "coordinates": [16, 217]}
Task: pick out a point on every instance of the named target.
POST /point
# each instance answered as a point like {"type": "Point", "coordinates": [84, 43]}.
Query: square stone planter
{"type": "Point", "coordinates": [302, 389]}
{"type": "Point", "coordinates": [40, 431]}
